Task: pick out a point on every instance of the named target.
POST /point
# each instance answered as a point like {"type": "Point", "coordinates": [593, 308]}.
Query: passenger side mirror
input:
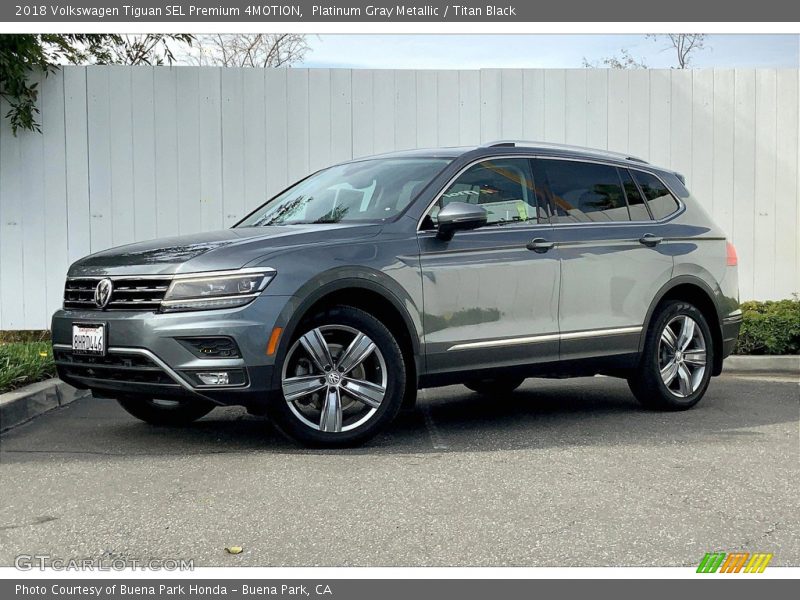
{"type": "Point", "coordinates": [459, 216]}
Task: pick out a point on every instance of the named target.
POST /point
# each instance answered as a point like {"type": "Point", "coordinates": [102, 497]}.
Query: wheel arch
{"type": "Point", "coordinates": [362, 293]}
{"type": "Point", "coordinates": [696, 291]}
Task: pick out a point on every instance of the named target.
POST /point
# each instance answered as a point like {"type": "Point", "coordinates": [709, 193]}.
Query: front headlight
{"type": "Point", "coordinates": [206, 291]}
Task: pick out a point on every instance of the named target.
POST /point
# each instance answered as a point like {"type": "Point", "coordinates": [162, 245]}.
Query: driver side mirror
{"type": "Point", "coordinates": [459, 216]}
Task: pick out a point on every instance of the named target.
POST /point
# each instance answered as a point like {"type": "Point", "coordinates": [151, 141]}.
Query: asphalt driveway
{"type": "Point", "coordinates": [566, 472]}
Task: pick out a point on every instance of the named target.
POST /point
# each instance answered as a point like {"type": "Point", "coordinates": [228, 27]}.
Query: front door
{"type": "Point", "coordinates": [491, 295]}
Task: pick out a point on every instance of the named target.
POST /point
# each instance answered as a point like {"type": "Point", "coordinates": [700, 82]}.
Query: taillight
{"type": "Point", "coordinates": [732, 259]}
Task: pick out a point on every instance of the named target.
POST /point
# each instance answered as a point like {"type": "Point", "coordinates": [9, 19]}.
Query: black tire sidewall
{"type": "Point", "coordinates": [648, 385]}
{"type": "Point", "coordinates": [288, 423]}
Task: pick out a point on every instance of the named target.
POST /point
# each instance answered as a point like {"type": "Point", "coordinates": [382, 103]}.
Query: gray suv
{"type": "Point", "coordinates": [328, 307]}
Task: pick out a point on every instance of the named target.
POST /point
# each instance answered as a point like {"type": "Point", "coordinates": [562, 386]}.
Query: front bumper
{"type": "Point", "coordinates": [146, 358]}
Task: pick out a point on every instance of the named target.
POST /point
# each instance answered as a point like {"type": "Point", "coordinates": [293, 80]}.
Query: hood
{"type": "Point", "coordinates": [213, 250]}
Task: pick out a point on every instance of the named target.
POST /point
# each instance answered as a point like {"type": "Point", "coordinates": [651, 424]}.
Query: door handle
{"type": "Point", "coordinates": [650, 240]}
{"type": "Point", "coordinates": [540, 245]}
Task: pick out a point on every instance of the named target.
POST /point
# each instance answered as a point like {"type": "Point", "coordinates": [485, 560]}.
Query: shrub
{"type": "Point", "coordinates": [22, 363]}
{"type": "Point", "coordinates": [770, 327]}
{"type": "Point", "coordinates": [24, 335]}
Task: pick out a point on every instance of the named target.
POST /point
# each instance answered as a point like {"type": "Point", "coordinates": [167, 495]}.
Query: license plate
{"type": "Point", "coordinates": [89, 339]}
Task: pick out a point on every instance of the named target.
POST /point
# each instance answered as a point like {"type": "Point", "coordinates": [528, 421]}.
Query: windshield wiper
{"type": "Point", "coordinates": [300, 223]}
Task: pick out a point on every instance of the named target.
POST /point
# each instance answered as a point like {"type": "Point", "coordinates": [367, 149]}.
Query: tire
{"type": "Point", "coordinates": [489, 387]}
{"type": "Point", "coordinates": [167, 413]}
{"type": "Point", "coordinates": [686, 360]}
{"type": "Point", "coordinates": [342, 380]}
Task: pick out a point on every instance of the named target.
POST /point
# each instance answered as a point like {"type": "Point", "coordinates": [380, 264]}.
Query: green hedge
{"type": "Point", "coordinates": [28, 335]}
{"type": "Point", "coordinates": [22, 363]}
{"type": "Point", "coordinates": [770, 327]}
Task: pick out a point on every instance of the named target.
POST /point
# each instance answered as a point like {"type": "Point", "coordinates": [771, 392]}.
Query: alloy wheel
{"type": "Point", "coordinates": [334, 378]}
{"type": "Point", "coordinates": [682, 356]}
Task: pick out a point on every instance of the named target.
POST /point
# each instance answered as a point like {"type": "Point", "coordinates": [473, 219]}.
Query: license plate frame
{"type": "Point", "coordinates": [90, 347]}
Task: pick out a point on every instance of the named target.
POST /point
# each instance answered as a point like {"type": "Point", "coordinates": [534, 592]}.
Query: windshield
{"type": "Point", "coordinates": [369, 190]}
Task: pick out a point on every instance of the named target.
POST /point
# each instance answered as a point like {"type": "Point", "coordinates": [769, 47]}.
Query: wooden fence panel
{"type": "Point", "coordinates": [132, 153]}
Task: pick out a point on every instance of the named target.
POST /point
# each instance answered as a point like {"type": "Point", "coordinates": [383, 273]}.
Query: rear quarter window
{"type": "Point", "coordinates": [660, 200]}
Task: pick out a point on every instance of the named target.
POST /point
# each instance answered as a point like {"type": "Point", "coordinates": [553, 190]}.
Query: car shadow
{"type": "Point", "coordinates": [541, 414]}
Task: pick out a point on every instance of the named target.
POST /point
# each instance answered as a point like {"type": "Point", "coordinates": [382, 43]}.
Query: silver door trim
{"type": "Point", "coordinates": [548, 337]}
{"type": "Point", "coordinates": [577, 335]}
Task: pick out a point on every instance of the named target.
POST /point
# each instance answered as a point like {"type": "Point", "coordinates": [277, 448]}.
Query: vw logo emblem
{"type": "Point", "coordinates": [334, 378]}
{"type": "Point", "coordinates": [102, 293]}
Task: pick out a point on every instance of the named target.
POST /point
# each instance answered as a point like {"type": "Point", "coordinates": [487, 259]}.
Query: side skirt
{"type": "Point", "coordinates": [615, 366]}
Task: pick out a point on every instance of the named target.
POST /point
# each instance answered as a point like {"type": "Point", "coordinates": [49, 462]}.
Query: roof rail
{"type": "Point", "coordinates": [568, 147]}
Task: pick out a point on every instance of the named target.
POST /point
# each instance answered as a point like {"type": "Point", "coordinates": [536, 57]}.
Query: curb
{"type": "Point", "coordinates": [771, 364]}
{"type": "Point", "coordinates": [28, 402]}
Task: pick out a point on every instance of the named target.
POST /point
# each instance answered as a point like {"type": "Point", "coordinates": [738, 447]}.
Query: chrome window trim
{"type": "Point", "coordinates": [547, 337]}
{"type": "Point", "coordinates": [533, 156]}
{"type": "Point", "coordinates": [522, 226]}
{"type": "Point", "coordinates": [678, 211]}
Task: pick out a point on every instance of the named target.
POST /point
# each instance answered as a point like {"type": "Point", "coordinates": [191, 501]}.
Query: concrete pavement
{"type": "Point", "coordinates": [567, 472]}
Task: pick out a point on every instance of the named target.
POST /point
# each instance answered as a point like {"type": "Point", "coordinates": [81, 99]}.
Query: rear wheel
{"type": "Point", "coordinates": [342, 380]}
{"type": "Point", "coordinates": [170, 413]}
{"type": "Point", "coordinates": [677, 360]}
{"type": "Point", "coordinates": [495, 386]}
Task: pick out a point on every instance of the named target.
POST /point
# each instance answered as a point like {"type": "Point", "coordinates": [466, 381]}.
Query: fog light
{"type": "Point", "coordinates": [222, 378]}
{"type": "Point", "coordinates": [216, 378]}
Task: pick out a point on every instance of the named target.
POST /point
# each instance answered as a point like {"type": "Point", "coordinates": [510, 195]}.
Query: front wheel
{"type": "Point", "coordinates": [171, 413]}
{"type": "Point", "coordinates": [677, 360]}
{"type": "Point", "coordinates": [342, 380]}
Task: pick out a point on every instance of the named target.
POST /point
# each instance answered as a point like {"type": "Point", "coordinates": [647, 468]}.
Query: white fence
{"type": "Point", "coordinates": [130, 153]}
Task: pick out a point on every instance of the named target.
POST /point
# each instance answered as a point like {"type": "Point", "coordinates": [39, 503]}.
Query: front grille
{"type": "Point", "coordinates": [112, 368]}
{"type": "Point", "coordinates": [133, 293]}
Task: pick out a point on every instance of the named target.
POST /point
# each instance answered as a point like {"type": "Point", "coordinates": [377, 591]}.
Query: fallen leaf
{"type": "Point", "coordinates": [234, 549]}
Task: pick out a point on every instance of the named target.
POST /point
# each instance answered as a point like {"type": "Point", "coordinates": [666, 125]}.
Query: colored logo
{"type": "Point", "coordinates": [735, 562]}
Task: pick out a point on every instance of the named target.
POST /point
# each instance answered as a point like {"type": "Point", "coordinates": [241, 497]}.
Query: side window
{"type": "Point", "coordinates": [636, 204]}
{"type": "Point", "coordinates": [585, 192]}
{"type": "Point", "coordinates": [504, 187]}
{"type": "Point", "coordinates": [659, 199]}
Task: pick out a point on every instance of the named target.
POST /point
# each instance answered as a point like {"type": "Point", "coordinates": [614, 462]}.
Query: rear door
{"type": "Point", "coordinates": [612, 261]}
{"type": "Point", "coordinates": [489, 299]}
